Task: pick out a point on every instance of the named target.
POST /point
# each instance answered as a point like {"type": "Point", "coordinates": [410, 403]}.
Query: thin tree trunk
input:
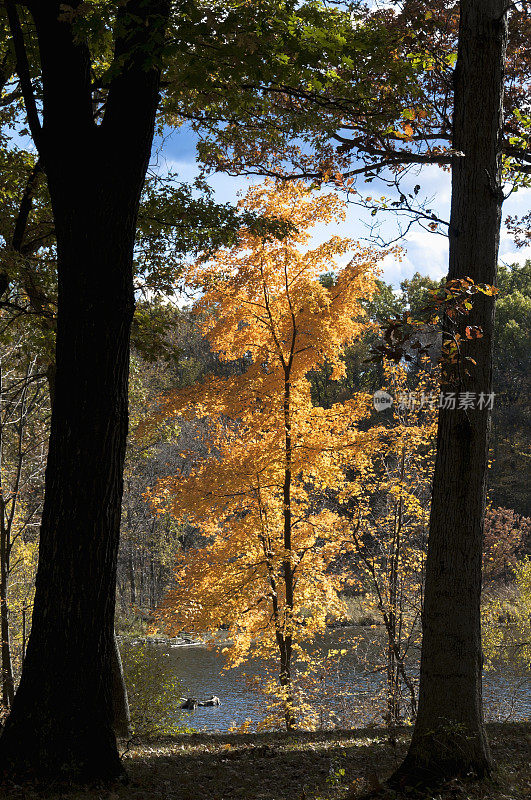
{"type": "Point", "coordinates": [24, 611]}
{"type": "Point", "coordinates": [131, 572]}
{"type": "Point", "coordinates": [121, 715]}
{"type": "Point", "coordinates": [449, 736]}
{"type": "Point", "coordinates": [8, 689]}
{"type": "Point", "coordinates": [152, 602]}
{"type": "Point", "coordinates": [286, 649]}
{"type": "Point", "coordinates": [142, 587]}
{"type": "Point", "coordinates": [8, 684]}
{"type": "Point", "coordinates": [393, 677]}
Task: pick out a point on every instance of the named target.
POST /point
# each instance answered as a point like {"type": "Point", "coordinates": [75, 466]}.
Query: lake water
{"type": "Point", "coordinates": [349, 691]}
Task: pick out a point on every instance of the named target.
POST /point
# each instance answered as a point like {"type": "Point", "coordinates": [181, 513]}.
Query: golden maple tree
{"type": "Point", "coordinates": [260, 492]}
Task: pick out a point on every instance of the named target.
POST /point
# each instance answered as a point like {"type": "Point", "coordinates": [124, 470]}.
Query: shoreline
{"type": "Point", "coordinates": [191, 641]}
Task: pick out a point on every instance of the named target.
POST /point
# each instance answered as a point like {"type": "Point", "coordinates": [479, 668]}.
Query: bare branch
{"type": "Point", "coordinates": [24, 73]}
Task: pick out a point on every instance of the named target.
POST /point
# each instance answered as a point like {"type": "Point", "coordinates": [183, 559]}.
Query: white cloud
{"type": "Point", "coordinates": [517, 204]}
{"type": "Point", "coordinates": [424, 252]}
{"type": "Point", "coordinates": [512, 256]}
{"type": "Point", "coordinates": [428, 252]}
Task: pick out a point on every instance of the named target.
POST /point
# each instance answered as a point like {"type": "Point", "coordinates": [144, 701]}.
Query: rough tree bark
{"type": "Point", "coordinates": [449, 737]}
{"type": "Point", "coordinates": [61, 723]}
{"type": "Point", "coordinates": [120, 701]}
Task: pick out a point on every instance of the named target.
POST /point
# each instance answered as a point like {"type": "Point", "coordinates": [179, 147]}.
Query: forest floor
{"type": "Point", "coordinates": [331, 765]}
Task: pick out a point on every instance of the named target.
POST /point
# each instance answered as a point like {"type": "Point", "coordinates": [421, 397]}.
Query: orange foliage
{"type": "Point", "coordinates": [505, 537]}
{"type": "Point", "coordinates": [262, 492]}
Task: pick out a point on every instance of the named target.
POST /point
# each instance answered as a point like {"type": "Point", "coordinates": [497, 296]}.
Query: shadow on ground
{"type": "Point", "coordinates": [281, 766]}
{"type": "Point", "coordinates": [264, 767]}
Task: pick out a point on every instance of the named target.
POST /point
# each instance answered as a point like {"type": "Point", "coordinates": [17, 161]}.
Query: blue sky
{"type": "Point", "coordinates": [424, 252]}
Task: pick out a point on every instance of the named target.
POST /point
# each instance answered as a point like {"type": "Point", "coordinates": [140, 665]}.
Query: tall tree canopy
{"type": "Point", "coordinates": [260, 490]}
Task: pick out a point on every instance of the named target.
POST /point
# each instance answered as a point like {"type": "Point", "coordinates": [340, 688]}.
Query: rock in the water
{"type": "Point", "coordinates": [191, 703]}
{"type": "Point", "coordinates": [213, 701]}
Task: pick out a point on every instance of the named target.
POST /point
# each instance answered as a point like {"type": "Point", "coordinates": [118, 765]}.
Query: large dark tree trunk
{"type": "Point", "coordinates": [449, 736]}
{"type": "Point", "coordinates": [61, 723]}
